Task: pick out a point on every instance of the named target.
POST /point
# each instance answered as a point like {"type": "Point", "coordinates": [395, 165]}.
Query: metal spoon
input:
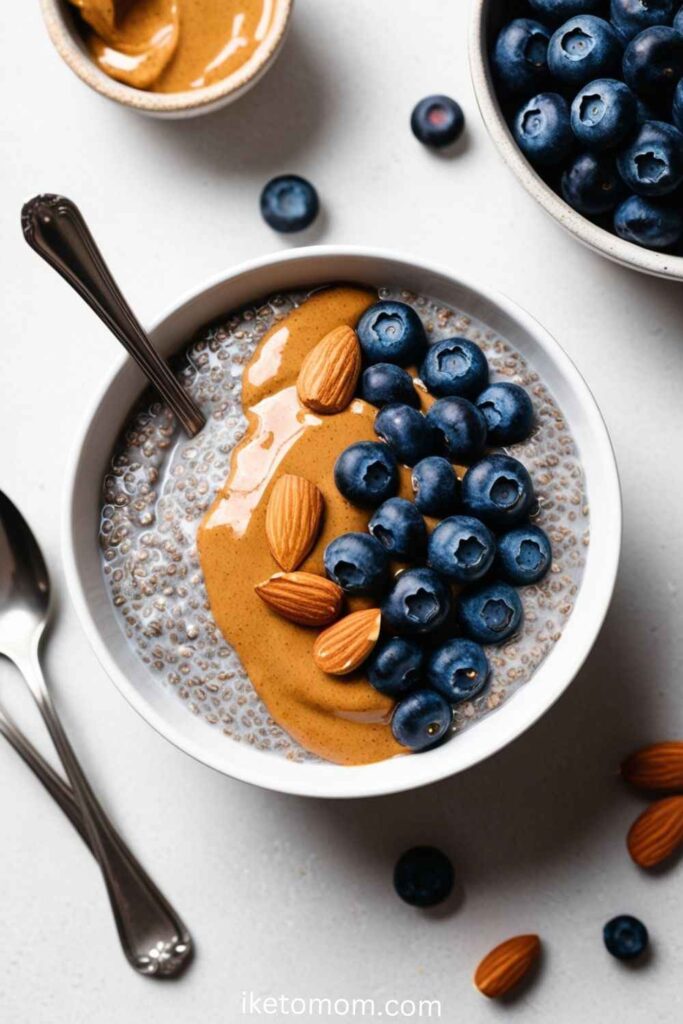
{"type": "Point", "coordinates": [55, 228]}
{"type": "Point", "coordinates": [154, 938]}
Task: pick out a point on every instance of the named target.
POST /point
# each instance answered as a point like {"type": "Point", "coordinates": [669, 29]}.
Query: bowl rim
{"type": "Point", "coordinates": [63, 34]}
{"type": "Point", "coordinates": [579, 634]}
{"type": "Point", "coordinates": [617, 249]}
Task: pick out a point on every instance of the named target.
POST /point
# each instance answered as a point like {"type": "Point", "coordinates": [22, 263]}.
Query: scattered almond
{"type": "Point", "coordinates": [506, 965]}
{"type": "Point", "coordinates": [657, 833]}
{"type": "Point", "coordinates": [345, 645]}
{"type": "Point", "coordinates": [657, 767]}
{"type": "Point", "coordinates": [293, 520]}
{"type": "Point", "coordinates": [302, 597]}
{"type": "Point", "coordinates": [329, 373]}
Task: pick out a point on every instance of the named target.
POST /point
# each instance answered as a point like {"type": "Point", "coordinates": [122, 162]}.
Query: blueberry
{"type": "Point", "coordinates": [520, 56]}
{"type": "Point", "coordinates": [563, 9]}
{"type": "Point", "coordinates": [407, 432]}
{"type": "Point", "coordinates": [366, 473]}
{"type": "Point", "coordinates": [437, 121]}
{"type": "Point", "coordinates": [498, 489]}
{"type": "Point", "coordinates": [508, 412]}
{"type": "Point", "coordinates": [625, 937]}
{"type": "Point", "coordinates": [421, 720]}
{"type": "Point", "coordinates": [678, 21]}
{"type": "Point", "coordinates": [386, 383]}
{"type": "Point", "coordinates": [395, 666]}
{"type": "Point", "coordinates": [357, 563]}
{"type": "Point", "coordinates": [423, 876]}
{"type": "Point", "coordinates": [677, 105]}
{"type": "Point", "coordinates": [653, 62]}
{"type": "Point", "coordinates": [461, 549]}
{"type": "Point", "coordinates": [400, 529]}
{"type": "Point", "coordinates": [543, 130]}
{"type": "Point", "coordinates": [652, 164]}
{"type": "Point", "coordinates": [289, 203]}
{"type": "Point", "coordinates": [490, 614]}
{"type": "Point", "coordinates": [582, 49]}
{"type": "Point", "coordinates": [462, 427]}
{"type": "Point", "coordinates": [458, 670]}
{"type": "Point", "coordinates": [630, 17]}
{"type": "Point", "coordinates": [418, 602]}
{"type": "Point", "coordinates": [649, 223]}
{"type": "Point", "coordinates": [392, 332]}
{"type": "Point", "coordinates": [436, 486]}
{"type": "Point", "coordinates": [592, 184]}
{"type": "Point", "coordinates": [455, 366]}
{"type": "Point", "coordinates": [604, 113]}
{"type": "Point", "coordinates": [524, 555]}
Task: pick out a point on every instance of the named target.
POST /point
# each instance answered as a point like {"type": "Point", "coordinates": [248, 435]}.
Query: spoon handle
{"type": "Point", "coordinates": [55, 228]}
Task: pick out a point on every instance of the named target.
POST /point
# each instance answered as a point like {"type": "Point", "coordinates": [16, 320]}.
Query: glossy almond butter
{"type": "Point", "coordinates": [302, 597]}
{"type": "Point", "coordinates": [506, 965]}
{"type": "Point", "coordinates": [293, 520]}
{"type": "Point", "coordinates": [345, 645]}
{"type": "Point", "coordinates": [329, 373]}
{"type": "Point", "coordinates": [658, 833]}
{"type": "Point", "coordinates": [658, 766]}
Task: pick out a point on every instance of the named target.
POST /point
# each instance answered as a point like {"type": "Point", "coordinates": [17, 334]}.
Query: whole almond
{"type": "Point", "coordinates": [657, 833]}
{"type": "Point", "coordinates": [329, 373]}
{"type": "Point", "coordinates": [302, 597]}
{"type": "Point", "coordinates": [506, 965]}
{"type": "Point", "coordinates": [657, 767]}
{"type": "Point", "coordinates": [293, 519]}
{"type": "Point", "coordinates": [345, 645]}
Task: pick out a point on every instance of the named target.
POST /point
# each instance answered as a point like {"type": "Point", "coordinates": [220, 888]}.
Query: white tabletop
{"type": "Point", "coordinates": [289, 897]}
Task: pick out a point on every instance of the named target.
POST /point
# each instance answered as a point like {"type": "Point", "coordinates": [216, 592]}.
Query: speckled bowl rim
{"type": "Point", "coordinates": [61, 29]}
{"type": "Point", "coordinates": [596, 238]}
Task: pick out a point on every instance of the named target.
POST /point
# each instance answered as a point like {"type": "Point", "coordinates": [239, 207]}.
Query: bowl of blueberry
{"type": "Point", "coordinates": [584, 100]}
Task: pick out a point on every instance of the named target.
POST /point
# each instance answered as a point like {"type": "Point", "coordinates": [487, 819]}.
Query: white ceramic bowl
{"type": "Point", "coordinates": [161, 707]}
{"type": "Point", "coordinates": [488, 17]}
{"type": "Point", "coordinates": [61, 20]}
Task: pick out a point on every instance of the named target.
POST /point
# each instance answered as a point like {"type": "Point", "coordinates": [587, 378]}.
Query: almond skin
{"type": "Point", "coordinates": [657, 767]}
{"type": "Point", "coordinates": [293, 520]}
{"type": "Point", "coordinates": [506, 965]}
{"type": "Point", "coordinates": [658, 833]}
{"type": "Point", "coordinates": [329, 373]}
{"type": "Point", "coordinates": [345, 645]}
{"type": "Point", "coordinates": [302, 597]}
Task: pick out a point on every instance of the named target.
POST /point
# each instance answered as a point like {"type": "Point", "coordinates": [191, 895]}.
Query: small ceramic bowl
{"type": "Point", "coordinates": [488, 17]}
{"type": "Point", "coordinates": [159, 705]}
{"type": "Point", "coordinates": [61, 19]}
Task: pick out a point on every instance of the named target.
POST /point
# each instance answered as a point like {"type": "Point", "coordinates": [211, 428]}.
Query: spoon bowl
{"type": "Point", "coordinates": [24, 583]}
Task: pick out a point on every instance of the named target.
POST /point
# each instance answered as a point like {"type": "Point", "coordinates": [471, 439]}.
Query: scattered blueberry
{"type": "Point", "coordinates": [524, 555]}
{"type": "Point", "coordinates": [563, 9]}
{"type": "Point", "coordinates": [508, 412]}
{"type": "Point", "coordinates": [604, 113]}
{"type": "Point", "coordinates": [625, 937]}
{"type": "Point", "coordinates": [436, 486]}
{"type": "Point", "coordinates": [652, 165]}
{"type": "Point", "coordinates": [462, 427]}
{"type": "Point", "coordinates": [407, 432]}
{"type": "Point", "coordinates": [395, 666]}
{"type": "Point", "coordinates": [498, 489]}
{"type": "Point", "coordinates": [592, 184]}
{"type": "Point", "coordinates": [678, 21]}
{"type": "Point", "coordinates": [421, 720]}
{"type": "Point", "coordinates": [400, 529]}
{"type": "Point", "coordinates": [649, 223]}
{"type": "Point", "coordinates": [357, 563]}
{"type": "Point", "coordinates": [289, 203]}
{"type": "Point", "coordinates": [392, 332]}
{"type": "Point", "coordinates": [582, 49]}
{"type": "Point", "coordinates": [455, 366]}
{"type": "Point", "coordinates": [462, 549]}
{"type": "Point", "coordinates": [366, 473]}
{"type": "Point", "coordinates": [418, 602]}
{"type": "Point", "coordinates": [520, 57]}
{"type": "Point", "coordinates": [386, 383]}
{"type": "Point", "coordinates": [543, 130]}
{"type": "Point", "coordinates": [458, 670]}
{"type": "Point", "coordinates": [490, 614]}
{"type": "Point", "coordinates": [630, 17]}
{"type": "Point", "coordinates": [423, 876]}
{"type": "Point", "coordinates": [677, 105]}
{"type": "Point", "coordinates": [653, 62]}
{"type": "Point", "coordinates": [437, 121]}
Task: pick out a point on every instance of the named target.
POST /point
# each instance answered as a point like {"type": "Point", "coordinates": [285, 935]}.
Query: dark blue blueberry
{"type": "Point", "coordinates": [498, 489]}
{"type": "Point", "coordinates": [592, 184]}
{"type": "Point", "coordinates": [437, 121]}
{"type": "Point", "coordinates": [649, 223]}
{"type": "Point", "coordinates": [395, 666]}
{"type": "Point", "coordinates": [520, 56]}
{"type": "Point", "coordinates": [462, 427]}
{"type": "Point", "coordinates": [560, 10]}
{"type": "Point", "coordinates": [418, 602]}
{"type": "Point", "coordinates": [652, 164]}
{"type": "Point", "coordinates": [630, 17]}
{"type": "Point", "coordinates": [436, 486]}
{"type": "Point", "coordinates": [491, 614]}
{"type": "Point", "coordinates": [423, 876]}
{"type": "Point", "coordinates": [357, 563]}
{"type": "Point", "coordinates": [458, 670]}
{"type": "Point", "coordinates": [653, 62]}
{"type": "Point", "coordinates": [392, 332]}
{"type": "Point", "coordinates": [400, 529]}
{"type": "Point", "coordinates": [407, 432]}
{"type": "Point", "coordinates": [455, 366]}
{"type": "Point", "coordinates": [604, 113]}
{"type": "Point", "coordinates": [508, 412]}
{"type": "Point", "coordinates": [366, 473]}
{"type": "Point", "coordinates": [582, 49]}
{"type": "Point", "coordinates": [289, 203]}
{"type": "Point", "coordinates": [543, 129]}
{"type": "Point", "coordinates": [678, 21]}
{"type": "Point", "coordinates": [524, 555]}
{"type": "Point", "coordinates": [625, 937]}
{"type": "Point", "coordinates": [461, 549]}
{"type": "Point", "coordinates": [677, 105]}
{"type": "Point", "coordinates": [386, 383]}
{"type": "Point", "coordinates": [421, 720]}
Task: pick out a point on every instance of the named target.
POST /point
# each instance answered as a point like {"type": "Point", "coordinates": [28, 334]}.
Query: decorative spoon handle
{"type": "Point", "coordinates": [55, 228]}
